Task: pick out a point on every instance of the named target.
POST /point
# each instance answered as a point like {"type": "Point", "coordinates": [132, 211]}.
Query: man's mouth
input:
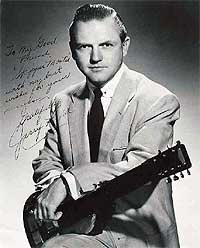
{"type": "Point", "coordinates": [97, 68]}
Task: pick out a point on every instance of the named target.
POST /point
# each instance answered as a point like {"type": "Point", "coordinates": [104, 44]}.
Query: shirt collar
{"type": "Point", "coordinates": [109, 88]}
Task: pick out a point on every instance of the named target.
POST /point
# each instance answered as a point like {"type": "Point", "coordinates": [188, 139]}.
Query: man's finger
{"type": "Point", "coordinates": [40, 210]}
{"type": "Point", "coordinates": [51, 212]}
{"type": "Point", "coordinates": [58, 215]}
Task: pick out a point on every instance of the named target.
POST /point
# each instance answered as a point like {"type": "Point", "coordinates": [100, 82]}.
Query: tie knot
{"type": "Point", "coordinates": [98, 93]}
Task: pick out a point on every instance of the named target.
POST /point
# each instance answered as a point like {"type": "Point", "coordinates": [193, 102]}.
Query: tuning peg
{"type": "Point", "coordinates": [169, 180]}
{"type": "Point", "coordinates": [31, 211]}
{"type": "Point", "coordinates": [181, 174]}
{"type": "Point", "coordinates": [178, 142]}
{"type": "Point", "coordinates": [95, 185]}
{"type": "Point", "coordinates": [175, 177]}
{"type": "Point", "coordinates": [102, 183]}
{"type": "Point", "coordinates": [159, 152]}
{"type": "Point", "coordinates": [188, 172]}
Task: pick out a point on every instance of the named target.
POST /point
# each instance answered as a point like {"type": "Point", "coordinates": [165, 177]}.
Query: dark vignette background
{"type": "Point", "coordinates": [164, 46]}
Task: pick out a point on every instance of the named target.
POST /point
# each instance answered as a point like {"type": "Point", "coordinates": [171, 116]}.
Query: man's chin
{"type": "Point", "coordinates": [98, 81]}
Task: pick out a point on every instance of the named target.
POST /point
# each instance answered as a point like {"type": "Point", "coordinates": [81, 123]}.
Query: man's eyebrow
{"type": "Point", "coordinates": [81, 43]}
{"type": "Point", "coordinates": [108, 41]}
{"type": "Point", "coordinates": [101, 43]}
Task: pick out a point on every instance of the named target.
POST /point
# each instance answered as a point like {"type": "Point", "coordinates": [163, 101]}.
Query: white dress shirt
{"type": "Point", "coordinates": [74, 187]}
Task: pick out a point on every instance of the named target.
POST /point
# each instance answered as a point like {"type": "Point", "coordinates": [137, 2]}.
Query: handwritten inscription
{"type": "Point", "coordinates": [20, 138]}
{"type": "Point", "coordinates": [35, 71]}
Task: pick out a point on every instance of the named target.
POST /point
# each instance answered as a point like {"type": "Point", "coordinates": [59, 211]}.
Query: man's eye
{"type": "Point", "coordinates": [107, 45]}
{"type": "Point", "coordinates": [84, 46]}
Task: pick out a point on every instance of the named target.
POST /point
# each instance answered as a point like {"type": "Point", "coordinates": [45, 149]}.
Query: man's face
{"type": "Point", "coordinates": [98, 50]}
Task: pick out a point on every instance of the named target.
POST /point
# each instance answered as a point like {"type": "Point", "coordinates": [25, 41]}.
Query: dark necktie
{"type": "Point", "coordinates": [95, 123]}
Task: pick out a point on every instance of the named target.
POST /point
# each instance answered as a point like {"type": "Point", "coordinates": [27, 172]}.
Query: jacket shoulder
{"type": "Point", "coordinates": [70, 90]}
{"type": "Point", "coordinates": [148, 89]}
{"type": "Point", "coordinates": [62, 99]}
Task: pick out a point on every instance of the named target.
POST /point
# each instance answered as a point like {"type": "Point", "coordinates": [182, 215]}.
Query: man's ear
{"type": "Point", "coordinates": [71, 45]}
{"type": "Point", "coordinates": [125, 45]}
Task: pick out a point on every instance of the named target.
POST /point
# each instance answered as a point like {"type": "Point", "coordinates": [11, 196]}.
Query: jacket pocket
{"type": "Point", "coordinates": [117, 154]}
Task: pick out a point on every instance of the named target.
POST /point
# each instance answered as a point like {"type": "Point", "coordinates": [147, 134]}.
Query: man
{"type": "Point", "coordinates": [139, 118]}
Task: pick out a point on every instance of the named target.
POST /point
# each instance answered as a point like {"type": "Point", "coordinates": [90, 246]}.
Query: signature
{"type": "Point", "coordinates": [25, 138]}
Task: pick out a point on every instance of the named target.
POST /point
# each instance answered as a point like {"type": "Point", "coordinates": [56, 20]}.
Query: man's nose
{"type": "Point", "coordinates": [96, 55]}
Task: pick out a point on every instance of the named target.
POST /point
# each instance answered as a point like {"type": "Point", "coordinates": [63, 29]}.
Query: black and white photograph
{"type": "Point", "coordinates": [100, 117]}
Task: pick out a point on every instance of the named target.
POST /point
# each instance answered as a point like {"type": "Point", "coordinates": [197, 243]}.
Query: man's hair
{"type": "Point", "coordinates": [90, 12]}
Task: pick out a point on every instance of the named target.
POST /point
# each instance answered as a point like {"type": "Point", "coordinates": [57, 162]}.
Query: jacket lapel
{"type": "Point", "coordinates": [122, 97]}
{"type": "Point", "coordinates": [77, 118]}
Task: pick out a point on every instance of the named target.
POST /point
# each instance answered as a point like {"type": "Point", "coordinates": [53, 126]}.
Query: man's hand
{"type": "Point", "coordinates": [49, 200]}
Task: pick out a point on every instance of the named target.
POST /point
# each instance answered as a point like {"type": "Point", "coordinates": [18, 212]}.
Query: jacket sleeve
{"type": "Point", "coordinates": [154, 132]}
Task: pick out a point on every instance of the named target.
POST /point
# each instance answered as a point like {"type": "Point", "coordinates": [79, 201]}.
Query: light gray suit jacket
{"type": "Point", "coordinates": [139, 122]}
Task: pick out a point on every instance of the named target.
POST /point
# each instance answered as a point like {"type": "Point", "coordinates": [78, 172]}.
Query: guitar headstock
{"type": "Point", "coordinates": [170, 162]}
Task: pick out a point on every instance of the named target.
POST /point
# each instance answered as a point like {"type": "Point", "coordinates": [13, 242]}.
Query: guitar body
{"type": "Point", "coordinates": [86, 215]}
{"type": "Point", "coordinates": [87, 219]}
{"type": "Point", "coordinates": [39, 231]}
